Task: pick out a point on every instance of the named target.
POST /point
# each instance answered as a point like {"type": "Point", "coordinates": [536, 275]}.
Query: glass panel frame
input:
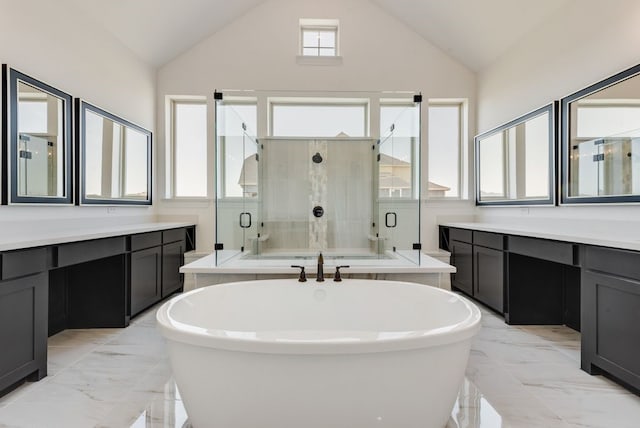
{"type": "Point", "coordinates": [82, 109]}
{"type": "Point", "coordinates": [511, 177]}
{"type": "Point", "coordinates": [238, 225]}
{"type": "Point", "coordinates": [14, 151]}
{"type": "Point", "coordinates": [572, 177]}
{"type": "Point", "coordinates": [286, 222]}
{"type": "Point", "coordinates": [397, 212]}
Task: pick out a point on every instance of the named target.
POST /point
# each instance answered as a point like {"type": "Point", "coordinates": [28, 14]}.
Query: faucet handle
{"type": "Point", "coordinates": [303, 276]}
{"type": "Point", "coordinates": [337, 277]}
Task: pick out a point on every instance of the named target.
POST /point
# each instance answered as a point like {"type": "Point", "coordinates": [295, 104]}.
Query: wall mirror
{"type": "Point", "coordinates": [37, 155]}
{"type": "Point", "coordinates": [601, 141]}
{"type": "Point", "coordinates": [115, 157]}
{"type": "Point", "coordinates": [515, 162]}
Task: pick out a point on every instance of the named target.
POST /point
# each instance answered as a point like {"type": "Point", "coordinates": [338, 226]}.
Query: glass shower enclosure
{"type": "Point", "coordinates": [284, 197]}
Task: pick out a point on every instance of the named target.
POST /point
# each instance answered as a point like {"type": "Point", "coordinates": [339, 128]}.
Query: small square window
{"type": "Point", "coordinates": [319, 37]}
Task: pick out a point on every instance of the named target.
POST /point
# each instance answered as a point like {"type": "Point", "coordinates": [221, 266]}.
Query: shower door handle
{"type": "Point", "coordinates": [386, 219]}
{"type": "Point", "coordinates": [242, 221]}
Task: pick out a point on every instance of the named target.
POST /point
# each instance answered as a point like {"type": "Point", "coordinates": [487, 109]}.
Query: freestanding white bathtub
{"type": "Point", "coordinates": [285, 354]}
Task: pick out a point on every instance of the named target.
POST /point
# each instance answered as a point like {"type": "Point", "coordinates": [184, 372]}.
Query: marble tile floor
{"type": "Point", "coordinates": [525, 377]}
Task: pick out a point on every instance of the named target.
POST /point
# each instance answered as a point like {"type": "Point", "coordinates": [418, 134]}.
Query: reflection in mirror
{"type": "Point", "coordinates": [40, 118]}
{"type": "Point", "coordinates": [116, 157]}
{"type": "Point", "coordinates": [601, 141]}
{"type": "Point", "coordinates": [514, 162]}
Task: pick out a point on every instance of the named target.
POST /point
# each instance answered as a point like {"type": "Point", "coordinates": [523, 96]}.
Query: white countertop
{"type": "Point", "coordinates": [236, 265]}
{"type": "Point", "coordinates": [10, 240]}
{"type": "Point", "coordinates": [627, 238]}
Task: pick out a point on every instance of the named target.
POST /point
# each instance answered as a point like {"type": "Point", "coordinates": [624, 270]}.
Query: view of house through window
{"type": "Point", "coordinates": [445, 142]}
{"type": "Point", "coordinates": [189, 120]}
{"type": "Point", "coordinates": [399, 136]}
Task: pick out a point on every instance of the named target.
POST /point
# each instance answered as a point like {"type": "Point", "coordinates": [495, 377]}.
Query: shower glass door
{"type": "Point", "coordinates": [238, 156]}
{"type": "Point", "coordinates": [398, 181]}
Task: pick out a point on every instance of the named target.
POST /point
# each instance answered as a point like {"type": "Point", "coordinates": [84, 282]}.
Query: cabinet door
{"type": "Point", "coordinates": [489, 277]}
{"type": "Point", "coordinates": [146, 271]}
{"type": "Point", "coordinates": [611, 326]}
{"type": "Point", "coordinates": [462, 259]}
{"type": "Point", "coordinates": [23, 329]}
{"type": "Point", "coordinates": [172, 259]}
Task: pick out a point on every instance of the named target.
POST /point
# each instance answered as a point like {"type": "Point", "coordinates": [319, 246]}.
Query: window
{"type": "Point", "coordinates": [399, 137]}
{"type": "Point", "coordinates": [189, 148]}
{"type": "Point", "coordinates": [319, 37]}
{"type": "Point", "coordinates": [237, 148]}
{"type": "Point", "coordinates": [493, 179]}
{"type": "Point", "coordinates": [32, 116]}
{"type": "Point", "coordinates": [446, 152]}
{"type": "Point", "coordinates": [319, 120]}
{"type": "Point", "coordinates": [607, 119]}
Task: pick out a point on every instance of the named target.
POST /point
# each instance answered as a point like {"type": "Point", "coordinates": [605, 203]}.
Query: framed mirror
{"type": "Point", "coordinates": [601, 141]}
{"type": "Point", "coordinates": [515, 162]}
{"type": "Point", "coordinates": [37, 150]}
{"type": "Point", "coordinates": [115, 158]}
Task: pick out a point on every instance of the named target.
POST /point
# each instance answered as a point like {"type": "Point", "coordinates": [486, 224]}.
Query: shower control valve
{"type": "Point", "coordinates": [337, 277]}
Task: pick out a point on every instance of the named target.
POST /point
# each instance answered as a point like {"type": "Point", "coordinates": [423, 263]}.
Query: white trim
{"type": "Point", "coordinates": [319, 60]}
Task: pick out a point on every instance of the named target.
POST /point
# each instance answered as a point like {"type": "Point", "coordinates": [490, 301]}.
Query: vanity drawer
{"type": "Point", "coordinates": [615, 262]}
{"type": "Point", "coordinates": [80, 252]}
{"type": "Point", "coordinates": [553, 251]}
{"type": "Point", "coordinates": [488, 239]}
{"type": "Point", "coordinates": [461, 235]}
{"type": "Point", "coordinates": [145, 240]}
{"type": "Point", "coordinates": [173, 235]}
{"type": "Point", "coordinates": [24, 262]}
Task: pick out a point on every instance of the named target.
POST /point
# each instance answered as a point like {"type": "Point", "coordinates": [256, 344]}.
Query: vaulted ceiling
{"type": "Point", "coordinates": [475, 32]}
{"type": "Point", "coordinates": [159, 30]}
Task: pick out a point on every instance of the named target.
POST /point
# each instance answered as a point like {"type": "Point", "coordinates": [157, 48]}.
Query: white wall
{"type": "Point", "coordinates": [258, 51]}
{"type": "Point", "coordinates": [583, 43]}
{"type": "Point", "coordinates": [54, 42]}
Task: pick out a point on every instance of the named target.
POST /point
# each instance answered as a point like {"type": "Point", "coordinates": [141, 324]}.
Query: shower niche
{"type": "Point", "coordinates": [300, 175]}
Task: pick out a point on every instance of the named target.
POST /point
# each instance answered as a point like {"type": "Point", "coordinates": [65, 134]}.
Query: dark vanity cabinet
{"type": "Point", "coordinates": [462, 258]}
{"type": "Point", "coordinates": [146, 270]}
{"type": "Point", "coordinates": [155, 262]}
{"type": "Point", "coordinates": [479, 261]}
{"type": "Point", "coordinates": [23, 315]}
{"type": "Point", "coordinates": [529, 280]}
{"type": "Point", "coordinates": [81, 284]}
{"type": "Point", "coordinates": [173, 249]}
{"type": "Point", "coordinates": [488, 269]}
{"type": "Point", "coordinates": [611, 313]}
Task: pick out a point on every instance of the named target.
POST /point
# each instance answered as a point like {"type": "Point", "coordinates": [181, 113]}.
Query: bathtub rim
{"type": "Point", "coordinates": [419, 339]}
